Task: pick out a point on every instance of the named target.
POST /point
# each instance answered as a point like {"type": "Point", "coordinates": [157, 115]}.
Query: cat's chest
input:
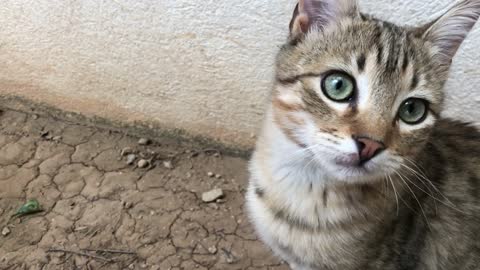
{"type": "Point", "coordinates": [310, 233]}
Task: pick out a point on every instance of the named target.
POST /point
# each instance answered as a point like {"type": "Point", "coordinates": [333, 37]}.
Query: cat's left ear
{"type": "Point", "coordinates": [447, 33]}
{"type": "Point", "coordinates": [318, 14]}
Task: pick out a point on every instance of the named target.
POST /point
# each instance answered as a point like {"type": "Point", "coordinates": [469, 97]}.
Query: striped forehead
{"type": "Point", "coordinates": [385, 69]}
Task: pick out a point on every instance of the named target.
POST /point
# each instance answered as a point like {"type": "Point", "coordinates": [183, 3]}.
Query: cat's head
{"type": "Point", "coordinates": [362, 95]}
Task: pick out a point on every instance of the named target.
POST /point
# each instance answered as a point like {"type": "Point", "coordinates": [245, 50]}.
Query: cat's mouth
{"type": "Point", "coordinates": [352, 167]}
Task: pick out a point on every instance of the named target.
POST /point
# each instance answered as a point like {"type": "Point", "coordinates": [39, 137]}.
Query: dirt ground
{"type": "Point", "coordinates": [101, 213]}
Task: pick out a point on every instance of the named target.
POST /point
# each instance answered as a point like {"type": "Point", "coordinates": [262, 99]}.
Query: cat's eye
{"type": "Point", "coordinates": [413, 111]}
{"type": "Point", "coordinates": [338, 86]}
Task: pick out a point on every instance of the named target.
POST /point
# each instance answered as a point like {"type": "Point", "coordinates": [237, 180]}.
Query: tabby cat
{"type": "Point", "coordinates": [355, 168]}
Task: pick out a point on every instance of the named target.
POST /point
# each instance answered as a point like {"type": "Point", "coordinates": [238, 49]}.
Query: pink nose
{"type": "Point", "coordinates": [368, 148]}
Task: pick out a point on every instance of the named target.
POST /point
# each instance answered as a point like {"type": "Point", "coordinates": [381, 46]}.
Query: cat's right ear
{"type": "Point", "coordinates": [318, 14]}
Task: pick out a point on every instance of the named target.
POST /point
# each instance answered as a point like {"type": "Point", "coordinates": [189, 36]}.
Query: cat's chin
{"type": "Point", "coordinates": [366, 173]}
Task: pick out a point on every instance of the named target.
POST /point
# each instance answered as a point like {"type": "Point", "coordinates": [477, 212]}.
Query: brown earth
{"type": "Point", "coordinates": [93, 200]}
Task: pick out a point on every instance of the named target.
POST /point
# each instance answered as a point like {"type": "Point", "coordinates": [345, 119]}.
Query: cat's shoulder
{"type": "Point", "coordinates": [457, 136]}
{"type": "Point", "coordinates": [455, 129]}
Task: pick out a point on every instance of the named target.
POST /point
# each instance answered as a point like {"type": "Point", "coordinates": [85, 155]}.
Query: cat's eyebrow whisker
{"type": "Point", "coordinates": [416, 198]}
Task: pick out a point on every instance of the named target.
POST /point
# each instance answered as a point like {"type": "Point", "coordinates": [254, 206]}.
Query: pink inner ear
{"type": "Point", "coordinates": [322, 12]}
{"type": "Point", "coordinates": [304, 22]}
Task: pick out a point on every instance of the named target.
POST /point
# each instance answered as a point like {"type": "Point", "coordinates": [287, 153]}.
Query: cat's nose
{"type": "Point", "coordinates": [368, 148]}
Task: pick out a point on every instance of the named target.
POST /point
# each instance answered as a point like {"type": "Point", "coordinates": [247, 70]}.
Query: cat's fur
{"type": "Point", "coordinates": [416, 205]}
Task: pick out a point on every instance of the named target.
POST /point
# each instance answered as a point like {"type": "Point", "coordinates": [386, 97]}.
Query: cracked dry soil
{"type": "Point", "coordinates": [93, 200]}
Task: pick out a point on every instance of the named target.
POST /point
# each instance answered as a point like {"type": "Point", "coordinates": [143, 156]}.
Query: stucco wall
{"type": "Point", "coordinates": [201, 66]}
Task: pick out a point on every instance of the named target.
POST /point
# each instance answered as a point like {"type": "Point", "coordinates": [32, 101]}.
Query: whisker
{"type": "Point", "coordinates": [416, 198]}
{"type": "Point", "coordinates": [423, 177]}
{"type": "Point", "coordinates": [394, 192]}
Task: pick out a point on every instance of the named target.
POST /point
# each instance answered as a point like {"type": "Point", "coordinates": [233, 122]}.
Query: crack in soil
{"type": "Point", "coordinates": [156, 212]}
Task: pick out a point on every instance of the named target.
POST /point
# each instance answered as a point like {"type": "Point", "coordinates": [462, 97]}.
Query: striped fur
{"type": "Point", "coordinates": [416, 205]}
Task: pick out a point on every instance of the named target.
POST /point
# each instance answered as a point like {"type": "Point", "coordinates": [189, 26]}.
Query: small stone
{"type": "Point", "coordinates": [131, 266]}
{"type": "Point", "coordinates": [144, 141]}
{"type": "Point", "coordinates": [143, 265]}
{"type": "Point", "coordinates": [168, 165]}
{"type": "Point", "coordinates": [218, 176]}
{"type": "Point", "coordinates": [127, 205]}
{"type": "Point", "coordinates": [152, 213]}
{"type": "Point", "coordinates": [155, 267]}
{"type": "Point", "coordinates": [212, 250]}
{"type": "Point", "coordinates": [142, 163]}
{"type": "Point", "coordinates": [210, 174]}
{"type": "Point", "coordinates": [212, 195]}
{"type": "Point", "coordinates": [6, 231]}
{"type": "Point", "coordinates": [131, 159]}
{"type": "Point", "coordinates": [57, 138]}
{"type": "Point", "coordinates": [126, 151]}
{"type": "Point", "coordinates": [189, 175]}
{"type": "Point", "coordinates": [35, 116]}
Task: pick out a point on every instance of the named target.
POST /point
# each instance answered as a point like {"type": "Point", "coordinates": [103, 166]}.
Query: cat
{"type": "Point", "coordinates": [355, 168]}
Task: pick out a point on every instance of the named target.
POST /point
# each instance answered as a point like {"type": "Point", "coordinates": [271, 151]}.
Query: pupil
{"type": "Point", "coordinates": [411, 108]}
{"type": "Point", "coordinates": [338, 84]}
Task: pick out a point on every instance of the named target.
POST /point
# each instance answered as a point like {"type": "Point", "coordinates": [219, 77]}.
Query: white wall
{"type": "Point", "coordinates": [201, 66]}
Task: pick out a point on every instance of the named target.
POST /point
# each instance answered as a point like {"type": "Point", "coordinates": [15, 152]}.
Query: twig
{"type": "Point", "coordinates": [103, 259]}
{"type": "Point", "coordinates": [111, 251]}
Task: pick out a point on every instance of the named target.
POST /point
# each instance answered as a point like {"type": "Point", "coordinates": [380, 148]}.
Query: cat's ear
{"type": "Point", "coordinates": [447, 33]}
{"type": "Point", "coordinates": [318, 14]}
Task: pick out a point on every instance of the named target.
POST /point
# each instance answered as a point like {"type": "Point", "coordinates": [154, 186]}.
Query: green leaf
{"type": "Point", "coordinates": [31, 207]}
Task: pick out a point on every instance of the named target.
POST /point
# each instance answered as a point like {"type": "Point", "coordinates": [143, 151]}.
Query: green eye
{"type": "Point", "coordinates": [413, 111]}
{"type": "Point", "coordinates": [338, 86]}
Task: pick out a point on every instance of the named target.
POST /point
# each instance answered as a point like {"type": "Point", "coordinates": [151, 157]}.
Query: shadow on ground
{"type": "Point", "coordinates": [95, 204]}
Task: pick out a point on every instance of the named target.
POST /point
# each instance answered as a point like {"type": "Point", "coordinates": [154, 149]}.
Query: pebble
{"type": "Point", "coordinates": [230, 260]}
{"type": "Point", "coordinates": [168, 165]}
{"type": "Point", "coordinates": [212, 249]}
{"type": "Point", "coordinates": [35, 116]}
{"type": "Point", "coordinates": [210, 174]}
{"type": "Point", "coordinates": [6, 231]}
{"type": "Point", "coordinates": [218, 176]}
{"type": "Point", "coordinates": [126, 151]}
{"type": "Point", "coordinates": [212, 195]}
{"type": "Point", "coordinates": [142, 163]}
{"type": "Point", "coordinates": [127, 205]}
{"type": "Point", "coordinates": [131, 159]}
{"type": "Point", "coordinates": [144, 141]}
{"type": "Point", "coordinates": [57, 138]}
